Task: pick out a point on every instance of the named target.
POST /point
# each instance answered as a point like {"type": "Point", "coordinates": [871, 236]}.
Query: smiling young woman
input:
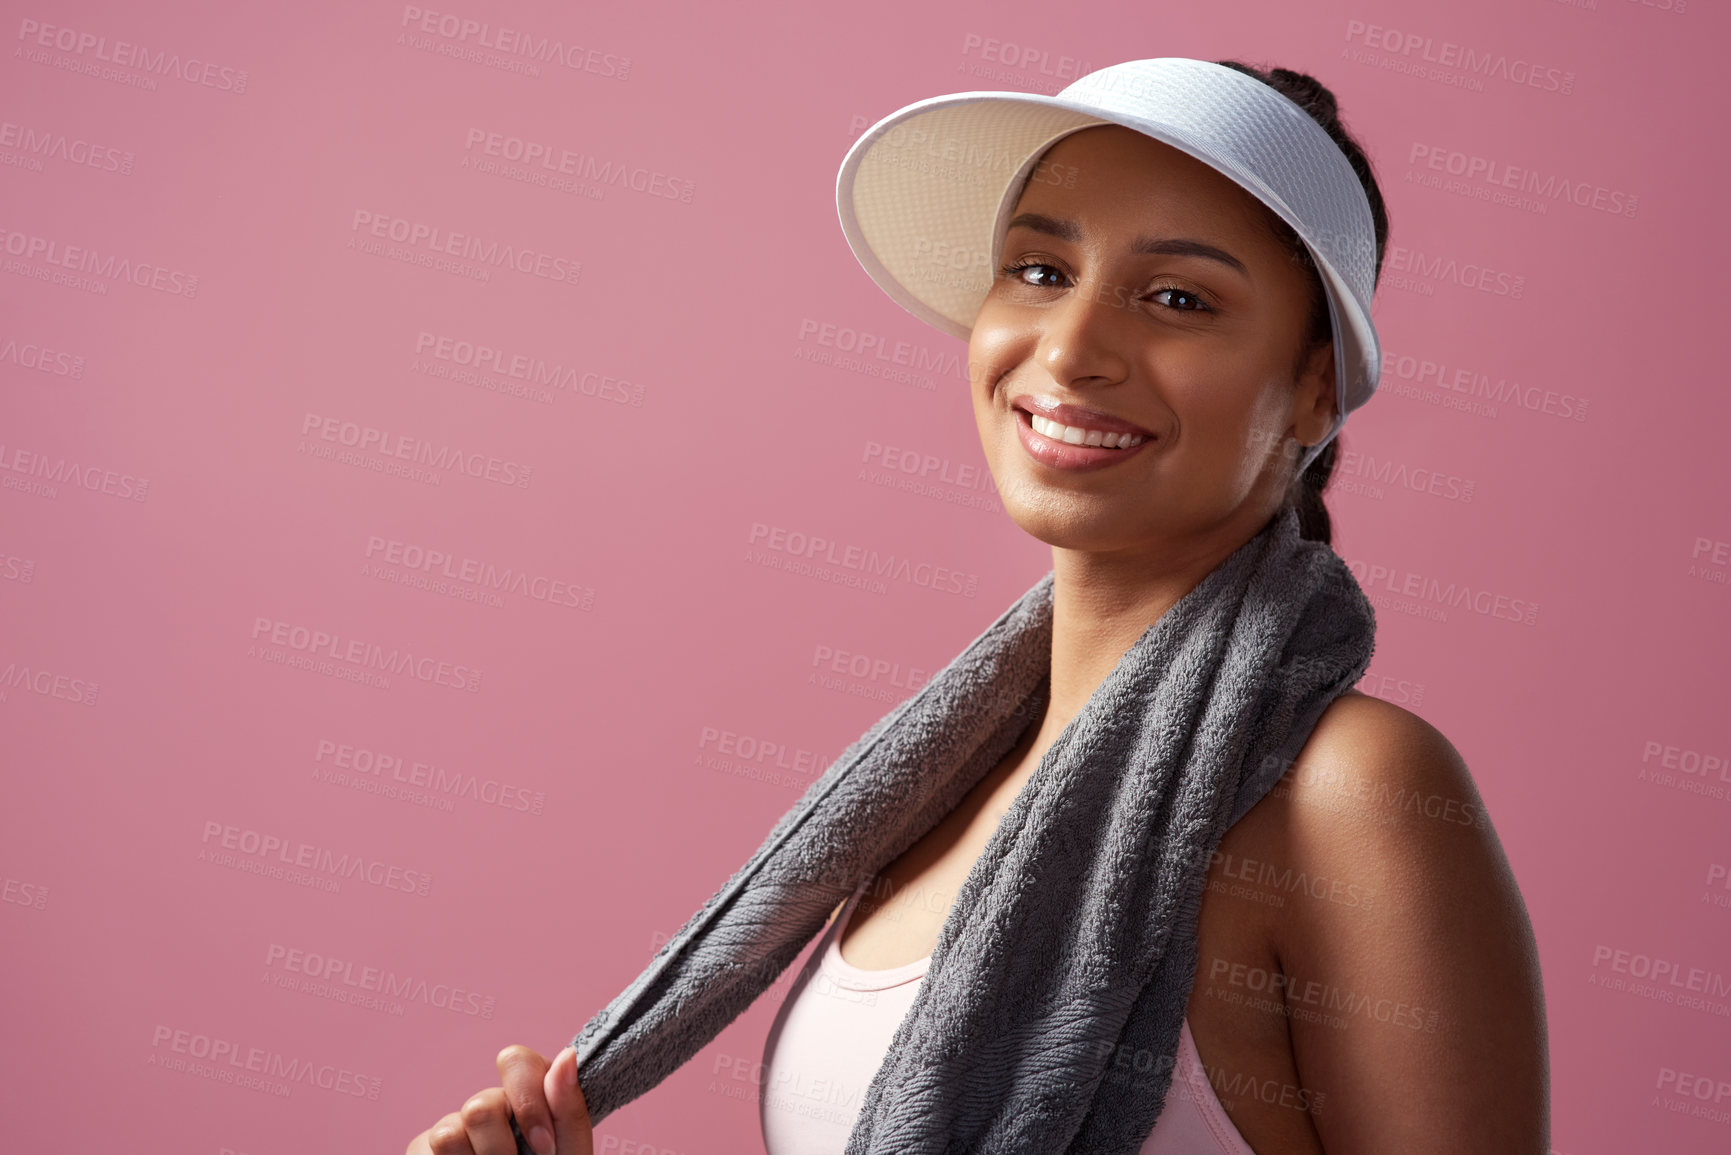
{"type": "Point", "coordinates": [1145, 370]}
{"type": "Point", "coordinates": [1155, 372]}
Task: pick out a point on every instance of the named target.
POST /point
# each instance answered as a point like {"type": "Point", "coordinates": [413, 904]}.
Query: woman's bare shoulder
{"type": "Point", "coordinates": [1368, 767]}
{"type": "Point", "coordinates": [1430, 977]}
{"type": "Point", "coordinates": [1380, 795]}
{"type": "Point", "coordinates": [1369, 761]}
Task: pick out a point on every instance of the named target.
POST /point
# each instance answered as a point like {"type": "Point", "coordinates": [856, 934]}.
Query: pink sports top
{"type": "Point", "coordinates": [834, 1028]}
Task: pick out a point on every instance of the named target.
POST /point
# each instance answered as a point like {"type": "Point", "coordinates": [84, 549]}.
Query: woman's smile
{"type": "Point", "coordinates": [1075, 447]}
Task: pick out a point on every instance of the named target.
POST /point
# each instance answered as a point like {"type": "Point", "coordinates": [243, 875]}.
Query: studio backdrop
{"type": "Point", "coordinates": [458, 488]}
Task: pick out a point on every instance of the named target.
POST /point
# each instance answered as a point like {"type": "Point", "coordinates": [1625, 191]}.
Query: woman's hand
{"type": "Point", "coordinates": [544, 1099]}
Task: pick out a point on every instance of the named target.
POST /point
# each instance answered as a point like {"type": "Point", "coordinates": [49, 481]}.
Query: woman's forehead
{"type": "Point", "coordinates": [1121, 180]}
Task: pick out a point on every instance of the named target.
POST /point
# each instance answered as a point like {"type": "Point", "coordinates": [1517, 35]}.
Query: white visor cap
{"type": "Point", "coordinates": [926, 193]}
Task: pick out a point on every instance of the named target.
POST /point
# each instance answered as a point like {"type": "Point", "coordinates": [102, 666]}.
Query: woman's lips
{"type": "Point", "coordinates": [1057, 454]}
{"type": "Point", "coordinates": [1075, 415]}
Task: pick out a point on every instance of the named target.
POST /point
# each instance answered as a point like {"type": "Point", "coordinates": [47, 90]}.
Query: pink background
{"type": "Point", "coordinates": [616, 685]}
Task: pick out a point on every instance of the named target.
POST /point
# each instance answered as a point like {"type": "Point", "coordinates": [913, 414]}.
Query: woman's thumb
{"type": "Point", "coordinates": [571, 1130]}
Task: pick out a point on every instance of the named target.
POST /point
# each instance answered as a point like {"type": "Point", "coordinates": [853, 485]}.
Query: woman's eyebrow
{"type": "Point", "coordinates": [1158, 246]}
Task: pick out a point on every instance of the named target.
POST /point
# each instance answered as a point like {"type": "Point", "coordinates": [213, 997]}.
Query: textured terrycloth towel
{"type": "Point", "coordinates": [1050, 1011]}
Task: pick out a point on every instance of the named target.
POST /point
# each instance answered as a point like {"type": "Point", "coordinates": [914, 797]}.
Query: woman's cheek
{"type": "Point", "coordinates": [986, 354]}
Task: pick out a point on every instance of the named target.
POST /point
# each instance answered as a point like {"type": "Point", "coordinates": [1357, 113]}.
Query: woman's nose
{"type": "Point", "coordinates": [1082, 334]}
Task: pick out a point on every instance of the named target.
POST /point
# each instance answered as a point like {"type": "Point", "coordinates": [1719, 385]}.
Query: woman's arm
{"type": "Point", "coordinates": [1422, 1018]}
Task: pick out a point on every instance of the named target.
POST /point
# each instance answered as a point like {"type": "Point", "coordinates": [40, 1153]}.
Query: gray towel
{"type": "Point", "coordinates": [1050, 1011]}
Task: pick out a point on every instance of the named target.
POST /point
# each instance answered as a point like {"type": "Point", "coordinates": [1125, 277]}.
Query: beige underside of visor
{"type": "Point", "coordinates": [927, 197]}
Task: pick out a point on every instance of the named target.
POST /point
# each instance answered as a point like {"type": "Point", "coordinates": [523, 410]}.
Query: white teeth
{"type": "Point", "coordinates": [1076, 435]}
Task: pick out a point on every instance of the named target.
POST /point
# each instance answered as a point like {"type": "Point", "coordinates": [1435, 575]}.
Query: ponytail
{"type": "Point", "coordinates": [1304, 90]}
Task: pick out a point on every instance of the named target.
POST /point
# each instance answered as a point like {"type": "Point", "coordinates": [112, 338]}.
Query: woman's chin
{"type": "Point", "coordinates": [1076, 522]}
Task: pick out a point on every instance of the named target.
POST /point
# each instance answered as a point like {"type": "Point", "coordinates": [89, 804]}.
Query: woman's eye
{"type": "Point", "coordinates": [1036, 274]}
{"type": "Point", "coordinates": [1020, 272]}
{"type": "Point", "coordinates": [1196, 304]}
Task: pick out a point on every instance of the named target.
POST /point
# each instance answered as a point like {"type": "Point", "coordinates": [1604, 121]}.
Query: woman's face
{"type": "Point", "coordinates": [1105, 303]}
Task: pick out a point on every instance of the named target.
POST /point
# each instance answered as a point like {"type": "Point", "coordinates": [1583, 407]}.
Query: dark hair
{"type": "Point", "coordinates": [1309, 94]}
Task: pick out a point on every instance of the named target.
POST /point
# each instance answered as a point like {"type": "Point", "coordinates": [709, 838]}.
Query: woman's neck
{"type": "Point", "coordinates": [1102, 603]}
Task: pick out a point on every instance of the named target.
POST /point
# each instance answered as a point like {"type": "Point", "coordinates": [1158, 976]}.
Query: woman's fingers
{"type": "Point", "coordinates": [542, 1098]}
{"type": "Point", "coordinates": [522, 1072]}
{"type": "Point", "coordinates": [481, 1127]}
{"type": "Point", "coordinates": [422, 1144]}
{"type": "Point", "coordinates": [487, 1122]}
{"type": "Point", "coordinates": [571, 1126]}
